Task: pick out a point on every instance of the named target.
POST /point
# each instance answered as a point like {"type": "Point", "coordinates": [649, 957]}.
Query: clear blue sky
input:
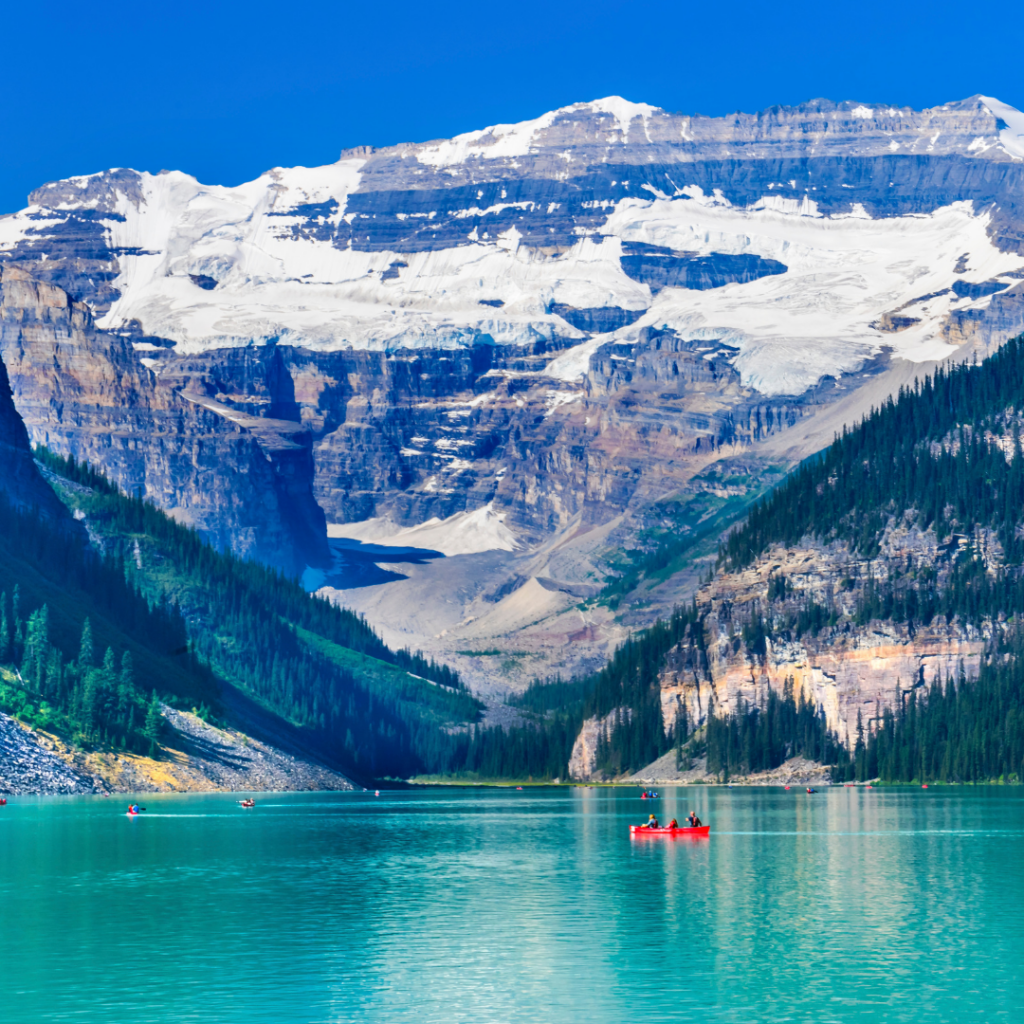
{"type": "Point", "coordinates": [226, 90]}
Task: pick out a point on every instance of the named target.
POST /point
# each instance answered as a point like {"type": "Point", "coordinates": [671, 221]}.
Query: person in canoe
{"type": "Point", "coordinates": [673, 823]}
{"type": "Point", "coordinates": [652, 822]}
{"type": "Point", "coordinates": [693, 820]}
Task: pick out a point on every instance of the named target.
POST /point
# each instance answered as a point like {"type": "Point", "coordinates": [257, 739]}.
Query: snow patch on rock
{"type": "Point", "coordinates": [464, 533]}
{"type": "Point", "coordinates": [1012, 136]}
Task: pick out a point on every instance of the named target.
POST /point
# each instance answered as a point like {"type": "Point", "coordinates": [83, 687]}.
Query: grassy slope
{"type": "Point", "coordinates": [687, 528]}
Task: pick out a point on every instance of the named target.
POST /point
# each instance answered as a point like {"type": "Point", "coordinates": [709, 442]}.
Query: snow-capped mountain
{"type": "Point", "coordinates": [561, 321]}
{"type": "Point", "coordinates": [791, 234]}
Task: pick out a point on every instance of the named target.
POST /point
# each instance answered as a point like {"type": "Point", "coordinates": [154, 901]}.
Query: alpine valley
{"type": "Point", "coordinates": [500, 400]}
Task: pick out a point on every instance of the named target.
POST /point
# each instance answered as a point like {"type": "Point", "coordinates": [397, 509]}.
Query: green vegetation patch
{"type": "Point", "coordinates": [322, 668]}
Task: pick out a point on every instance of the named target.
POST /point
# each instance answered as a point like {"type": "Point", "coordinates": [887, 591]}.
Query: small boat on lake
{"type": "Point", "coordinates": [643, 830]}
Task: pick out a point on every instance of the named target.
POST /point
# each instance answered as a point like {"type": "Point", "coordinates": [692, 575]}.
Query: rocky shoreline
{"type": "Point", "coordinates": [27, 767]}
{"type": "Point", "coordinates": [797, 771]}
{"type": "Point", "coordinates": [198, 757]}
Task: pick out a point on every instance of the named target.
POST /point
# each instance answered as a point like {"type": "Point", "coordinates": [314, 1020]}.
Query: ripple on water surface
{"type": "Point", "coordinates": [479, 906]}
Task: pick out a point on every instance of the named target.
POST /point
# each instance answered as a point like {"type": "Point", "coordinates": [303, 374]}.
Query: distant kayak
{"type": "Point", "coordinates": [642, 830]}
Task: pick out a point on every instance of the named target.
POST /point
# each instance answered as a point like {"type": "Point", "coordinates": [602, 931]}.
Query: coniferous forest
{"type": "Point", "coordinates": [64, 676]}
{"type": "Point", "coordinates": [93, 640]}
{"type": "Point", "coordinates": [947, 454]}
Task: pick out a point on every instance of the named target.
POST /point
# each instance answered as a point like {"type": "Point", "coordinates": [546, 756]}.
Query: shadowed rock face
{"type": "Point", "coordinates": [660, 267]}
{"type": "Point", "coordinates": [20, 480]}
{"type": "Point", "coordinates": [598, 320]}
{"type": "Point", "coordinates": [413, 435]}
{"type": "Point", "coordinates": [246, 486]}
{"type": "Point", "coordinates": [427, 400]}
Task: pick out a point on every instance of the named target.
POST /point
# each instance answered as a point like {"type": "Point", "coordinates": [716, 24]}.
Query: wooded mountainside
{"type": "Point", "coordinates": [92, 636]}
{"type": "Point", "coordinates": [944, 456]}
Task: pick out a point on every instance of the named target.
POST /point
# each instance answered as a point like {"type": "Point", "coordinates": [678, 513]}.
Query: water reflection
{"type": "Point", "coordinates": [484, 905]}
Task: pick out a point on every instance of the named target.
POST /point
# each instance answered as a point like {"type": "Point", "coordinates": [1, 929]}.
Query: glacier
{"type": "Point", "coordinates": [517, 347]}
{"type": "Point", "coordinates": [277, 260]}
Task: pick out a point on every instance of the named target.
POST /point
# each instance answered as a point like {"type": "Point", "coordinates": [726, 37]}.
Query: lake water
{"type": "Point", "coordinates": [487, 906]}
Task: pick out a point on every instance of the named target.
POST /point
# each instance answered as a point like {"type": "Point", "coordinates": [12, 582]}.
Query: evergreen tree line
{"type": "Point", "coordinates": [378, 712]}
{"type": "Point", "coordinates": [959, 730]}
{"type": "Point", "coordinates": [962, 730]}
{"type": "Point", "coordinates": [97, 701]}
{"type": "Point", "coordinates": [760, 737]}
{"type": "Point", "coordinates": [241, 582]}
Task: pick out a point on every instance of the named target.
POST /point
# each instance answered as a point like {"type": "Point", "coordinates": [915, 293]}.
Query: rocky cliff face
{"type": "Point", "coordinates": [245, 484]}
{"type": "Point", "coordinates": [567, 319]}
{"type": "Point", "coordinates": [412, 435]}
{"type": "Point", "coordinates": [20, 480]}
{"type": "Point", "coordinates": [583, 759]}
{"type": "Point", "coordinates": [851, 669]}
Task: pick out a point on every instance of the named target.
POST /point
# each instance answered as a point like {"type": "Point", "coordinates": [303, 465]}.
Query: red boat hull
{"type": "Point", "coordinates": [641, 830]}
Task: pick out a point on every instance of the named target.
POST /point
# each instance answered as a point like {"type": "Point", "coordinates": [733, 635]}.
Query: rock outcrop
{"type": "Point", "coordinates": [851, 671]}
{"type": "Point", "coordinates": [583, 759]}
{"type": "Point", "coordinates": [20, 480]}
{"type": "Point", "coordinates": [412, 435]}
{"type": "Point", "coordinates": [196, 758]}
{"type": "Point", "coordinates": [27, 767]}
{"type": "Point", "coordinates": [244, 483]}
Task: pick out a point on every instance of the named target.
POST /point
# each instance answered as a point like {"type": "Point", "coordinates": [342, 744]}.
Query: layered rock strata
{"type": "Point", "coordinates": [244, 483]}
{"type": "Point", "coordinates": [412, 435]}
{"type": "Point", "coordinates": [851, 672]}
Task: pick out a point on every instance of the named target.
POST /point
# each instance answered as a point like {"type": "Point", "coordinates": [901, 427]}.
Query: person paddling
{"type": "Point", "coordinates": [693, 820]}
{"type": "Point", "coordinates": [652, 822]}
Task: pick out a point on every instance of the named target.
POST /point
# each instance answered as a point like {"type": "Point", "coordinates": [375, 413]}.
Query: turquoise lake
{"type": "Point", "coordinates": [486, 906]}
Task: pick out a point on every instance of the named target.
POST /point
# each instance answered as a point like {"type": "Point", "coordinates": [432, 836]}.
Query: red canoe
{"type": "Point", "coordinates": [642, 830]}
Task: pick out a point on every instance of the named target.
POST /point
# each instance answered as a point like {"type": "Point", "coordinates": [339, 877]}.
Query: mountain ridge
{"type": "Point", "coordinates": [582, 322]}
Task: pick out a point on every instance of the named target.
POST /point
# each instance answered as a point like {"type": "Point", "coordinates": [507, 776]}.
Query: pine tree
{"type": "Point", "coordinates": [86, 654]}
{"type": "Point", "coordinates": [154, 725]}
{"type": "Point", "coordinates": [5, 630]}
{"type": "Point", "coordinates": [126, 685]}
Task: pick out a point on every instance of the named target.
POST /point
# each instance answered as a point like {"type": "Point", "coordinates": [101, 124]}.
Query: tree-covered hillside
{"type": "Point", "coordinates": [92, 634]}
{"type": "Point", "coordinates": [82, 650]}
{"type": "Point", "coordinates": [945, 458]}
{"type": "Point", "coordinates": [948, 449]}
